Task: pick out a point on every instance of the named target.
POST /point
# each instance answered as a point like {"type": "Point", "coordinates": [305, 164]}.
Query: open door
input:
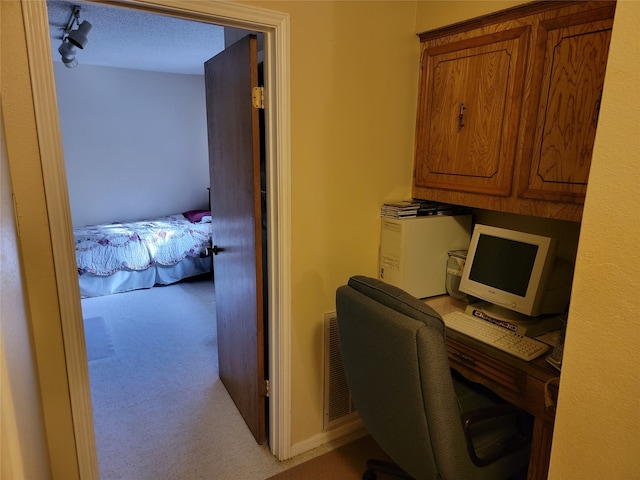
{"type": "Point", "coordinates": [234, 163]}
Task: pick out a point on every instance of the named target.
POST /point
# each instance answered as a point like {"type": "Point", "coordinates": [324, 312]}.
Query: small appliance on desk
{"type": "Point", "coordinates": [455, 266]}
{"type": "Point", "coordinates": [414, 251]}
{"type": "Point", "coordinates": [555, 359]}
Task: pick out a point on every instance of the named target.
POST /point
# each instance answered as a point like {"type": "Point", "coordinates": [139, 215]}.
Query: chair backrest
{"type": "Point", "coordinates": [395, 358]}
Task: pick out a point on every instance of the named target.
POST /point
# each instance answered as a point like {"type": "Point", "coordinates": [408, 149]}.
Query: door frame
{"type": "Point", "coordinates": [276, 29]}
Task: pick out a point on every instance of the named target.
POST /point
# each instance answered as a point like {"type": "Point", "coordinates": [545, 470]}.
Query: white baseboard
{"type": "Point", "coordinates": [331, 439]}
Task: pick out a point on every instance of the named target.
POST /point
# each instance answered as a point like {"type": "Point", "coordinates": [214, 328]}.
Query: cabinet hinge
{"type": "Point", "coordinates": [257, 97]}
{"type": "Point", "coordinates": [264, 388]}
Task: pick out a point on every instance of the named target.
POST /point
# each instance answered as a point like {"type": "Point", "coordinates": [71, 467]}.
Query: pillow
{"type": "Point", "coordinates": [197, 216]}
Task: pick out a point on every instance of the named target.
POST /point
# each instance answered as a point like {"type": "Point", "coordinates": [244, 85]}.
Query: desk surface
{"type": "Point", "coordinates": [518, 382]}
{"type": "Point", "coordinates": [538, 368]}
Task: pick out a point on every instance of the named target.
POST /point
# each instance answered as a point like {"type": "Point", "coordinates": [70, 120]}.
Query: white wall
{"type": "Point", "coordinates": [135, 142]}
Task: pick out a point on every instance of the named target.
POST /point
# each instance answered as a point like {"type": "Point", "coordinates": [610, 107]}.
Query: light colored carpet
{"type": "Point", "coordinates": [97, 338]}
{"type": "Point", "coordinates": [160, 410]}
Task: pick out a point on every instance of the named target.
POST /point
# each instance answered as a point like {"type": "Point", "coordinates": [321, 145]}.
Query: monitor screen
{"type": "Point", "coordinates": [504, 264]}
{"type": "Point", "coordinates": [508, 268]}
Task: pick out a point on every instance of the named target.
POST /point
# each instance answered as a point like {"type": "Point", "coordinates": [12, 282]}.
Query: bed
{"type": "Point", "coordinates": [120, 257]}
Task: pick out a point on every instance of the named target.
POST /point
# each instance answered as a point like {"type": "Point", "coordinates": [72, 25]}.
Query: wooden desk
{"type": "Point", "coordinates": [516, 381]}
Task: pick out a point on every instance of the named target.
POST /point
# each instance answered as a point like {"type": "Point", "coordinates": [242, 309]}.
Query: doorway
{"type": "Point", "coordinates": [275, 26]}
{"type": "Point", "coordinates": [137, 138]}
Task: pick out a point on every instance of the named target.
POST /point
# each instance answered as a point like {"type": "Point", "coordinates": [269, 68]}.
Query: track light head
{"type": "Point", "coordinates": [79, 37]}
{"type": "Point", "coordinates": [67, 50]}
{"type": "Point", "coordinates": [70, 62]}
{"type": "Point", "coordinates": [68, 53]}
{"type": "Point", "coordinates": [73, 38]}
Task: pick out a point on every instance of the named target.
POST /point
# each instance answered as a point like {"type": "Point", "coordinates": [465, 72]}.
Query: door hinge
{"type": "Point", "coordinates": [264, 388]}
{"type": "Point", "coordinates": [257, 97]}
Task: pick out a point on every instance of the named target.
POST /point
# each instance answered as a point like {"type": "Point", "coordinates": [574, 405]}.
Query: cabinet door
{"type": "Point", "coordinates": [572, 60]}
{"type": "Point", "coordinates": [469, 112]}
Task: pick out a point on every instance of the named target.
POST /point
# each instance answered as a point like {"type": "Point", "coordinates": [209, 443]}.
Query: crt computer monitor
{"type": "Point", "coordinates": [509, 269]}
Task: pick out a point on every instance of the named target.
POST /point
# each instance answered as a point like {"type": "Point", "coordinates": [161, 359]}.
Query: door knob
{"type": "Point", "coordinates": [215, 249]}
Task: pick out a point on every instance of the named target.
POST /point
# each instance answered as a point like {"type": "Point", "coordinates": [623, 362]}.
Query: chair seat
{"type": "Point", "coordinates": [489, 433]}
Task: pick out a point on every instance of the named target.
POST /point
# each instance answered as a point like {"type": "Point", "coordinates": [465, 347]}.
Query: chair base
{"type": "Point", "coordinates": [382, 466]}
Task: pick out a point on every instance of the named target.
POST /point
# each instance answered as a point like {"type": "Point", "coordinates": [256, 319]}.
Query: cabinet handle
{"type": "Point", "coordinates": [461, 116]}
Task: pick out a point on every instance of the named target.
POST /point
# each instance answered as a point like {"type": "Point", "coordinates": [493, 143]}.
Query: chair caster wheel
{"type": "Point", "coordinates": [369, 475]}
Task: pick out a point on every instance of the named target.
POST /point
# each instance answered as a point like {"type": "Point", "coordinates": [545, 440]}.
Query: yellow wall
{"type": "Point", "coordinates": [598, 418]}
{"type": "Point", "coordinates": [35, 246]}
{"type": "Point", "coordinates": [354, 79]}
{"type": "Point", "coordinates": [434, 14]}
{"type": "Point", "coordinates": [23, 452]}
{"type": "Point", "coordinates": [354, 75]}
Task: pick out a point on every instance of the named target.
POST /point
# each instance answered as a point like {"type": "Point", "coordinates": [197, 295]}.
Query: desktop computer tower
{"type": "Point", "coordinates": [414, 251]}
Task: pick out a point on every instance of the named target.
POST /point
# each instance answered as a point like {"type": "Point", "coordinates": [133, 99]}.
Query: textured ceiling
{"type": "Point", "coordinates": [127, 38]}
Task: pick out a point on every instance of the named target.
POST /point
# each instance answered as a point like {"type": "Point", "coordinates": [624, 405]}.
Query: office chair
{"type": "Point", "coordinates": [432, 423]}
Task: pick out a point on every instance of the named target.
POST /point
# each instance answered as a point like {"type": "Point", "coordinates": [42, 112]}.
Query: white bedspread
{"type": "Point", "coordinates": [106, 249]}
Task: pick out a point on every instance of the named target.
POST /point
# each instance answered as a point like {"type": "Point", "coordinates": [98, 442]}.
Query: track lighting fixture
{"type": "Point", "coordinates": [79, 37]}
{"type": "Point", "coordinates": [68, 53]}
{"type": "Point", "coordinates": [73, 38]}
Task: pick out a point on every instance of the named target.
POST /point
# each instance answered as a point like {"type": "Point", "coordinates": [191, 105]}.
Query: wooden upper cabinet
{"type": "Point", "coordinates": [572, 61]}
{"type": "Point", "coordinates": [467, 129]}
{"type": "Point", "coordinates": [508, 108]}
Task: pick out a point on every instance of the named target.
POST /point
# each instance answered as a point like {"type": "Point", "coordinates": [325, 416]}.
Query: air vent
{"type": "Point", "coordinates": [338, 407]}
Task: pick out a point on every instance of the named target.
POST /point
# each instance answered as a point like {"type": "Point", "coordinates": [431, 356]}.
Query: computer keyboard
{"type": "Point", "coordinates": [520, 346]}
